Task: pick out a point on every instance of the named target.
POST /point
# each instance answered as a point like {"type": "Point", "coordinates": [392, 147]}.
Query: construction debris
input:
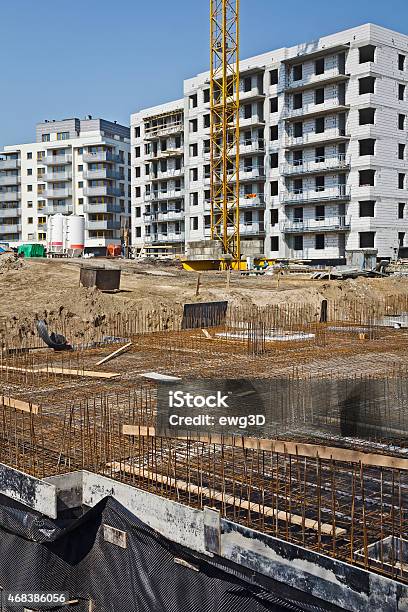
{"type": "Point", "coordinates": [116, 353]}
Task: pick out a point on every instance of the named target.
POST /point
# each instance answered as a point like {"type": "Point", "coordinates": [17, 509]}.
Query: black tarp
{"type": "Point", "coordinates": [70, 555]}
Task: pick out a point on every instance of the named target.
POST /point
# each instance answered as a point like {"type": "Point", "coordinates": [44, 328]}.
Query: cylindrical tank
{"type": "Point", "coordinates": [55, 233]}
{"type": "Point", "coordinates": [75, 234]}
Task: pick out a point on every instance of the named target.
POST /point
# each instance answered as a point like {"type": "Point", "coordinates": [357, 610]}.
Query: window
{"type": "Point", "coordinates": [401, 238]}
{"type": "Point", "coordinates": [401, 207]}
{"type": "Point", "coordinates": [298, 129]}
{"type": "Point", "coordinates": [137, 172]}
{"type": "Point", "coordinates": [194, 198]}
{"type": "Point", "coordinates": [137, 151]}
{"type": "Point", "coordinates": [206, 96]}
{"type": "Point", "coordinates": [274, 105]}
{"type": "Point", "coordinates": [297, 100]}
{"type": "Point", "coordinates": [366, 240]}
{"type": "Point", "coordinates": [367, 208]}
{"type": "Point", "coordinates": [366, 178]}
{"type": "Point", "coordinates": [401, 61]}
{"type": "Point", "coordinates": [298, 157]}
{"type": "Point", "coordinates": [319, 241]}
{"type": "Point", "coordinates": [319, 125]}
{"type": "Point", "coordinates": [366, 116]}
{"type": "Point", "coordinates": [319, 95]}
{"type": "Point", "coordinates": [274, 160]}
{"type": "Point", "coordinates": [319, 183]}
{"type": "Point", "coordinates": [319, 66]}
{"type": "Point", "coordinates": [80, 184]}
{"type": "Point", "coordinates": [30, 204]}
{"type": "Point", "coordinates": [320, 212]}
{"type": "Point", "coordinates": [29, 187]}
{"type": "Point", "coordinates": [298, 72]}
{"type": "Point", "coordinates": [401, 180]}
{"type": "Point", "coordinates": [194, 150]}
{"type": "Point", "coordinates": [367, 146]}
{"type": "Point", "coordinates": [366, 85]}
{"type": "Point", "coordinates": [80, 168]}
{"type": "Point", "coordinates": [401, 151]}
{"type": "Point", "coordinates": [367, 54]}
{"type": "Point", "coordinates": [320, 154]}
{"type": "Point", "coordinates": [247, 111]}
{"type": "Point", "coordinates": [138, 232]}
{"type": "Point", "coordinates": [147, 169]}
{"type": "Point", "coordinates": [247, 84]}
{"type": "Point", "coordinates": [29, 171]}
{"type": "Point", "coordinates": [274, 76]}
{"type": "Point", "coordinates": [275, 243]}
{"type": "Point", "coordinates": [274, 188]}
{"type": "Point", "coordinates": [298, 243]}
{"type": "Point", "coordinates": [45, 138]}
{"type": "Point", "coordinates": [29, 155]}
{"type": "Point", "coordinates": [80, 201]}
{"type": "Point", "coordinates": [248, 217]}
{"type": "Point", "coordinates": [298, 186]}
{"type": "Point", "coordinates": [138, 192]}
{"type": "Point", "coordinates": [137, 132]}
{"type": "Point", "coordinates": [401, 122]}
{"type": "Point", "coordinates": [274, 132]}
{"type": "Point", "coordinates": [206, 121]}
{"type": "Point", "coordinates": [193, 125]}
{"type": "Point", "coordinates": [193, 101]}
{"type": "Point", "coordinates": [62, 135]}
{"type": "Point", "coordinates": [194, 223]}
{"type": "Point", "coordinates": [401, 92]}
{"type": "Point", "coordinates": [138, 211]}
{"type": "Point", "coordinates": [193, 174]}
{"type": "Point", "coordinates": [274, 216]}
{"type": "Point", "coordinates": [30, 220]}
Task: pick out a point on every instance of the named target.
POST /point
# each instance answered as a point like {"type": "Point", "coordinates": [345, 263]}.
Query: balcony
{"type": "Point", "coordinates": [103, 173]}
{"type": "Point", "coordinates": [171, 237]}
{"type": "Point", "coordinates": [330, 135]}
{"type": "Point", "coordinates": [102, 156]}
{"type": "Point", "coordinates": [323, 225]}
{"type": "Point", "coordinates": [336, 192]}
{"type": "Point", "coordinates": [170, 215]}
{"type": "Point", "coordinates": [103, 190]}
{"type": "Point", "coordinates": [251, 121]}
{"type": "Point", "coordinates": [10, 179]}
{"type": "Point", "coordinates": [108, 207]}
{"type": "Point", "coordinates": [103, 224]}
{"type": "Point", "coordinates": [169, 152]}
{"type": "Point", "coordinates": [255, 92]}
{"type": "Point", "coordinates": [317, 165]}
{"type": "Point", "coordinates": [165, 130]}
{"type": "Point", "coordinates": [157, 176]}
{"type": "Point", "coordinates": [6, 213]}
{"type": "Point", "coordinates": [252, 200]}
{"type": "Point", "coordinates": [7, 163]}
{"type": "Point", "coordinates": [251, 229]}
{"type": "Point", "coordinates": [9, 196]}
{"type": "Point", "coordinates": [56, 176]}
{"type": "Point", "coordinates": [252, 173]}
{"type": "Point", "coordinates": [57, 209]}
{"type": "Point", "coordinates": [334, 74]}
{"type": "Point", "coordinates": [64, 192]}
{"type": "Point", "coordinates": [10, 229]}
{"type": "Point", "coordinates": [165, 195]}
{"type": "Point", "coordinates": [59, 159]}
{"type": "Point", "coordinates": [315, 110]}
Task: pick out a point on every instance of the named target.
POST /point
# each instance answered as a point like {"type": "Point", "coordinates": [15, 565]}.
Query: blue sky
{"type": "Point", "coordinates": [108, 59]}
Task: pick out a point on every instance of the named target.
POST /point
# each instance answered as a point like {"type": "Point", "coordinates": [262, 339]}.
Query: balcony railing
{"type": "Point", "coordinates": [337, 192]}
{"type": "Point", "coordinates": [252, 229]}
{"type": "Point", "coordinates": [56, 160]}
{"type": "Point", "coordinates": [154, 176]}
{"type": "Point", "coordinates": [56, 176]}
{"type": "Point", "coordinates": [9, 196]}
{"type": "Point", "coordinates": [7, 163]}
{"type": "Point", "coordinates": [334, 133]}
{"type": "Point", "coordinates": [54, 209]}
{"type": "Point", "coordinates": [319, 164]}
{"type": "Point", "coordinates": [171, 237]}
{"type": "Point", "coordinates": [103, 190]}
{"type": "Point", "coordinates": [10, 179]}
{"type": "Point", "coordinates": [102, 224]}
{"type": "Point", "coordinates": [170, 151]}
{"type": "Point", "coordinates": [102, 156]}
{"type": "Point", "coordinates": [334, 74]}
{"type": "Point", "coordinates": [252, 200]}
{"type": "Point", "coordinates": [10, 229]}
{"type": "Point", "coordinates": [65, 192]}
{"type": "Point", "coordinates": [107, 207]}
{"type": "Point", "coordinates": [165, 130]}
{"type": "Point", "coordinates": [165, 195]}
{"type": "Point", "coordinates": [331, 224]}
{"type": "Point", "coordinates": [334, 104]}
{"type": "Point", "coordinates": [5, 213]}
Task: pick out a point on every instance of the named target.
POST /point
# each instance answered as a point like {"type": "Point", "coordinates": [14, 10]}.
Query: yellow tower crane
{"type": "Point", "coordinates": [224, 126]}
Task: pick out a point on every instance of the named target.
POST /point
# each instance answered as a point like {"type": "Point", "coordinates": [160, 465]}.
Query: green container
{"type": "Point", "coordinates": [31, 250]}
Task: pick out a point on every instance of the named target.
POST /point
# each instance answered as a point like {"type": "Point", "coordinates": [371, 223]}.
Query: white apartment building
{"type": "Point", "coordinates": [76, 166]}
{"type": "Point", "coordinates": [323, 152]}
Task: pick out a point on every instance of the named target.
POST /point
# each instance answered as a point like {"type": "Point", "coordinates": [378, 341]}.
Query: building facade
{"type": "Point", "coordinates": [75, 166]}
{"type": "Point", "coordinates": [323, 153]}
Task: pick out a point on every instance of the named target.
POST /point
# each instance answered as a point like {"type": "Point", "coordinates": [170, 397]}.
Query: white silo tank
{"type": "Point", "coordinates": [75, 234]}
{"type": "Point", "coordinates": [55, 234]}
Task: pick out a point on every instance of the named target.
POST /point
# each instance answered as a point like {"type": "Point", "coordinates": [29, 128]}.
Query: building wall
{"type": "Point", "coordinates": [280, 216]}
{"type": "Point", "coordinates": [90, 176]}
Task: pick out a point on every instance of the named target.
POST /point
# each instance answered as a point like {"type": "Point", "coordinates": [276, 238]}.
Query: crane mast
{"type": "Point", "coordinates": [224, 126]}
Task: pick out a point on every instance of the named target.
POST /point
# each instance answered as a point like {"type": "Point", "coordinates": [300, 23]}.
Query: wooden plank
{"type": "Point", "coordinates": [63, 371]}
{"type": "Point", "coordinates": [181, 485]}
{"type": "Point", "coordinates": [315, 451]}
{"type": "Point", "coordinates": [10, 402]}
{"type": "Point", "coordinates": [116, 353]}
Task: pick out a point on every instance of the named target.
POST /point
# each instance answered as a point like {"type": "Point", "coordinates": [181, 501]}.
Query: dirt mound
{"type": "Point", "coordinates": [10, 261]}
